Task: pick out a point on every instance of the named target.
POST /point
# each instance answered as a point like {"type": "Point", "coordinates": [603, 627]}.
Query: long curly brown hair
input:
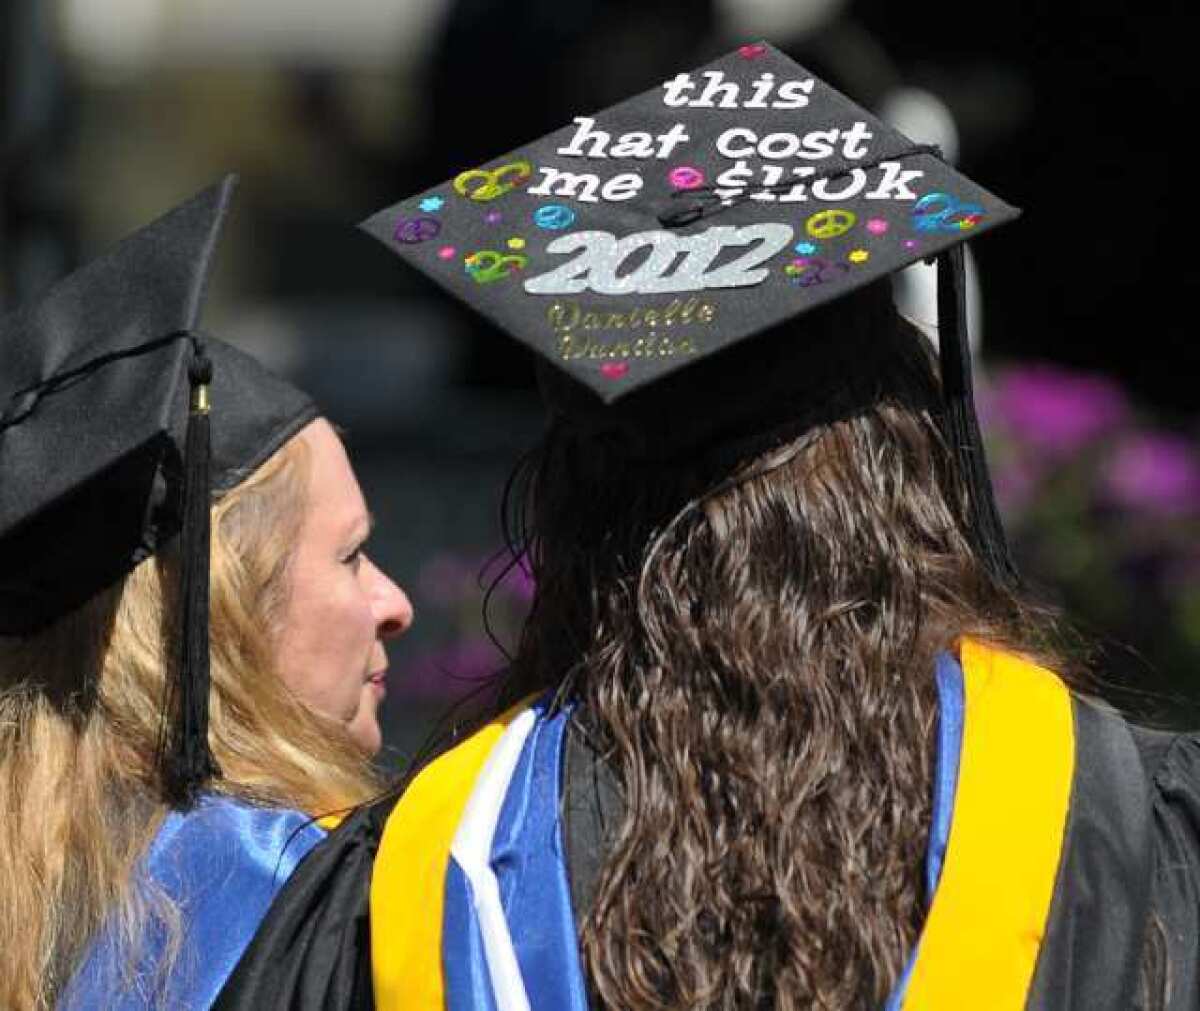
{"type": "Point", "coordinates": [748, 620]}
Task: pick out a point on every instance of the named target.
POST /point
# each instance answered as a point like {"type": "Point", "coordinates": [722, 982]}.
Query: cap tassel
{"type": "Point", "coordinates": [187, 761]}
{"type": "Point", "coordinates": [960, 426]}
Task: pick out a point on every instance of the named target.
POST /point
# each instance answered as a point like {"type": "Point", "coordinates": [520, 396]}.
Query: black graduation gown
{"type": "Point", "coordinates": [1123, 929]}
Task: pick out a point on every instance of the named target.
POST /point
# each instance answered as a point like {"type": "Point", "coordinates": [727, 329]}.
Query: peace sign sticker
{"type": "Point", "coordinates": [831, 223]}
{"type": "Point", "coordinates": [941, 212]}
{"type": "Point", "coordinates": [486, 265]}
{"type": "Point", "coordinates": [412, 230]}
{"type": "Point", "coordinates": [488, 184]}
{"type": "Point", "coordinates": [809, 271]}
{"type": "Point", "coordinates": [554, 217]}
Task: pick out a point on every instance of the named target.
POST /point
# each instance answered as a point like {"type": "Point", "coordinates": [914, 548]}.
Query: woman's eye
{"type": "Point", "coordinates": [353, 558]}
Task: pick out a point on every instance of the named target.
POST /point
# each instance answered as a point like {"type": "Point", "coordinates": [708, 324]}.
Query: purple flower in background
{"type": "Point", "coordinates": [1155, 472]}
{"type": "Point", "coordinates": [450, 672]}
{"type": "Point", "coordinates": [514, 574]}
{"type": "Point", "coordinates": [1053, 409]}
{"type": "Point", "coordinates": [1016, 480]}
{"type": "Point", "coordinates": [447, 578]}
{"type": "Point", "coordinates": [520, 580]}
{"type": "Point", "coordinates": [455, 586]}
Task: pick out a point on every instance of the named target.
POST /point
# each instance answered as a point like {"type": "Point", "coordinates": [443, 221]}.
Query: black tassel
{"type": "Point", "coordinates": [960, 426]}
{"type": "Point", "coordinates": [187, 762]}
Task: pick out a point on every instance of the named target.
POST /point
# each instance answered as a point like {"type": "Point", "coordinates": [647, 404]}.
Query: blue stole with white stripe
{"type": "Point", "coordinates": [508, 938]}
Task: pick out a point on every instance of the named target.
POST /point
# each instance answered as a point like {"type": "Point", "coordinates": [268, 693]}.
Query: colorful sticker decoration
{"type": "Point", "coordinates": [447, 253]}
{"type": "Point", "coordinates": [413, 230]}
{"type": "Point", "coordinates": [752, 51]}
{"type": "Point", "coordinates": [858, 256]}
{"type": "Point", "coordinates": [911, 244]}
{"type": "Point", "coordinates": [810, 271]}
{"type": "Point", "coordinates": [830, 223]}
{"type": "Point", "coordinates": [614, 370]}
{"type": "Point", "coordinates": [941, 212]}
{"type": "Point", "coordinates": [493, 217]}
{"type": "Point", "coordinates": [431, 205]}
{"type": "Point", "coordinates": [805, 248]}
{"type": "Point", "coordinates": [686, 177]}
{"type": "Point", "coordinates": [486, 266]}
{"type": "Point", "coordinates": [516, 242]}
{"type": "Point", "coordinates": [877, 226]}
{"type": "Point", "coordinates": [554, 217]}
{"type": "Point", "coordinates": [488, 184]}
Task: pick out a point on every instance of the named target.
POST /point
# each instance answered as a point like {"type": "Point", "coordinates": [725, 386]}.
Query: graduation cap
{"type": "Point", "coordinates": [673, 227]}
{"type": "Point", "coordinates": [108, 450]}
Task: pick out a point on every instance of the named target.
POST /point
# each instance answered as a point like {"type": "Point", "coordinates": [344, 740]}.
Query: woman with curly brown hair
{"type": "Point", "coordinates": [754, 634]}
{"type": "Point", "coordinates": [155, 799]}
{"type": "Point", "coordinates": [783, 729]}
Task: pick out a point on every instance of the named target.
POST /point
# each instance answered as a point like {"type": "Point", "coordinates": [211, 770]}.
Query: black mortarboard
{"type": "Point", "coordinates": [107, 451]}
{"type": "Point", "coordinates": [675, 225]}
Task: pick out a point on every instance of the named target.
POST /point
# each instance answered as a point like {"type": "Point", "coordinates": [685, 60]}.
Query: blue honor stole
{"type": "Point", "coordinates": [221, 864]}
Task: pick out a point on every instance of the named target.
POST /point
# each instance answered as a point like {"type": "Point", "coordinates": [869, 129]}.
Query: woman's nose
{"type": "Point", "coordinates": [393, 609]}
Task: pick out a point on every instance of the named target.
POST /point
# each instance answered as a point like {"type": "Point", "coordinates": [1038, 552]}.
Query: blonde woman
{"type": "Point", "coordinates": [156, 799]}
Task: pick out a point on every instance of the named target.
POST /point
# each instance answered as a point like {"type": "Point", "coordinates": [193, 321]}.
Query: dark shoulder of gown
{"type": "Point", "coordinates": [1171, 956]}
{"type": "Point", "coordinates": [313, 950]}
{"type": "Point", "coordinates": [592, 811]}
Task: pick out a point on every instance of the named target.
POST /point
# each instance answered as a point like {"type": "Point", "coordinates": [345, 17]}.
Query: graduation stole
{"type": "Point", "coordinates": [447, 934]}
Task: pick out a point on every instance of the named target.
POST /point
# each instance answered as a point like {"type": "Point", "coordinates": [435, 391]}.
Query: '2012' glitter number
{"type": "Point", "coordinates": [602, 255]}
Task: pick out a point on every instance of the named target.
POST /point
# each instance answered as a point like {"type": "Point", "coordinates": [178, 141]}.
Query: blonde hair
{"type": "Point", "coordinates": [80, 711]}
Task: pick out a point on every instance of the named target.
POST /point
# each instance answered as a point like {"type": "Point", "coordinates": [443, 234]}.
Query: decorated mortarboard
{"type": "Point", "coordinates": [107, 449]}
{"type": "Point", "coordinates": [637, 241]}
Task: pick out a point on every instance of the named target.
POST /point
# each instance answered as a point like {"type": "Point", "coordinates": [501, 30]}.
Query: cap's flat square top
{"type": "Point", "coordinates": [637, 240]}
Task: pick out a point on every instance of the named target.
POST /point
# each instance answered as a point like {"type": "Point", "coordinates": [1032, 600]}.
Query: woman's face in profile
{"type": "Point", "coordinates": [340, 607]}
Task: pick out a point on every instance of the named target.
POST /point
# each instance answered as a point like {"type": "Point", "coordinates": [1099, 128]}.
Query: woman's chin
{"type": "Point", "coordinates": [364, 729]}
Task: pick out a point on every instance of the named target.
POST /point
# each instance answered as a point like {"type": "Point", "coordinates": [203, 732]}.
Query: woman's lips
{"type": "Point", "coordinates": [378, 681]}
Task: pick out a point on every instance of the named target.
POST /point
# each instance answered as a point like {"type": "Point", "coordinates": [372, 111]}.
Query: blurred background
{"type": "Point", "coordinates": [112, 111]}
